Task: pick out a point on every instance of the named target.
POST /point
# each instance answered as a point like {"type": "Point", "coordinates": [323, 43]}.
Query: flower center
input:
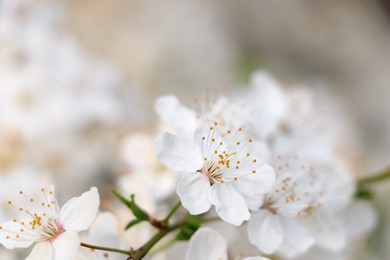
{"type": "Point", "coordinates": [39, 218]}
{"type": "Point", "coordinates": [225, 155]}
{"type": "Point", "coordinates": [213, 172]}
{"type": "Point", "coordinates": [48, 228]}
{"type": "Point", "coordinates": [296, 185]}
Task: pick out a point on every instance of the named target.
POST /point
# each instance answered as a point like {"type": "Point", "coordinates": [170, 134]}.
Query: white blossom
{"type": "Point", "coordinates": [290, 217]}
{"type": "Point", "coordinates": [229, 112]}
{"type": "Point", "coordinates": [144, 174]}
{"type": "Point", "coordinates": [276, 223]}
{"type": "Point", "coordinates": [358, 219]}
{"type": "Point", "coordinates": [53, 229]}
{"type": "Point", "coordinates": [218, 169]}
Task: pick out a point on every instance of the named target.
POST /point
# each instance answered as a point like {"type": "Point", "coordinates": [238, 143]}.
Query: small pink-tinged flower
{"type": "Point", "coordinates": [54, 230]}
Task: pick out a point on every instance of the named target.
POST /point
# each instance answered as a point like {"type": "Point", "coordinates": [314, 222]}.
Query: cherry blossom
{"type": "Point", "coordinates": [53, 229]}
{"type": "Point", "coordinates": [219, 170]}
{"type": "Point", "coordinates": [290, 217]}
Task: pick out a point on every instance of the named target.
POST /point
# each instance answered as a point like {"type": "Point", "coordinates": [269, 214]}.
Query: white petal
{"type": "Point", "coordinates": [79, 213]}
{"type": "Point", "coordinates": [104, 231]}
{"type": "Point", "coordinates": [265, 232]}
{"type": "Point", "coordinates": [41, 251]}
{"type": "Point", "coordinates": [10, 229]}
{"type": "Point", "coordinates": [193, 190]}
{"type": "Point", "coordinates": [207, 244]}
{"type": "Point", "coordinates": [66, 246]}
{"type": "Point", "coordinates": [329, 230]}
{"type": "Point", "coordinates": [255, 202]}
{"type": "Point", "coordinates": [175, 114]}
{"type": "Point", "coordinates": [229, 204]}
{"type": "Point", "coordinates": [361, 217]}
{"type": "Point", "coordinates": [178, 153]}
{"type": "Point", "coordinates": [269, 102]}
{"type": "Point", "coordinates": [297, 240]}
{"type": "Point", "coordinates": [259, 183]}
{"type": "Point", "coordinates": [261, 149]}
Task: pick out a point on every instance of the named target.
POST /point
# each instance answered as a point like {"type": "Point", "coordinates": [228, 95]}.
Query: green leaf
{"type": "Point", "coordinates": [364, 194]}
{"type": "Point", "coordinates": [133, 223]}
{"type": "Point", "coordinates": [137, 211]}
{"type": "Point", "coordinates": [192, 224]}
{"type": "Point", "coordinates": [185, 234]}
{"type": "Point", "coordinates": [121, 198]}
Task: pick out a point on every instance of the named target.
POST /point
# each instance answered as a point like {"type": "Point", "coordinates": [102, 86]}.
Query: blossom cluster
{"type": "Point", "coordinates": [267, 156]}
{"type": "Point", "coordinates": [263, 161]}
{"type": "Point", "coordinates": [265, 172]}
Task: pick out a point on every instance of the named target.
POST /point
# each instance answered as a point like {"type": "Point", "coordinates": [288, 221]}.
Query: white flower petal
{"type": "Point", "coordinates": [259, 183]}
{"type": "Point", "coordinates": [79, 213]}
{"type": "Point", "coordinates": [360, 217]}
{"type": "Point", "coordinates": [333, 238]}
{"type": "Point", "coordinates": [41, 251]}
{"type": "Point", "coordinates": [296, 238]}
{"type": "Point", "coordinates": [328, 229]}
{"type": "Point", "coordinates": [291, 209]}
{"type": "Point", "coordinates": [255, 202]}
{"type": "Point", "coordinates": [104, 231]}
{"type": "Point", "coordinates": [66, 246]}
{"type": "Point", "coordinates": [175, 114]}
{"type": "Point", "coordinates": [229, 204]}
{"type": "Point", "coordinates": [261, 149]}
{"type": "Point", "coordinates": [8, 232]}
{"type": "Point", "coordinates": [269, 101]}
{"type": "Point", "coordinates": [265, 232]}
{"type": "Point", "coordinates": [178, 153]}
{"type": "Point", "coordinates": [193, 190]}
{"type": "Point", "coordinates": [207, 244]}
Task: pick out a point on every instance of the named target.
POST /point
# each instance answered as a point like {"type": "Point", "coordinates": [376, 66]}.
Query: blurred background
{"type": "Point", "coordinates": [77, 76]}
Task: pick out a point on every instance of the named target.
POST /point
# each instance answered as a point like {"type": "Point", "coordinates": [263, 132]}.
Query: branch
{"type": "Point", "coordinates": [105, 249]}
{"type": "Point", "coordinates": [374, 179]}
{"type": "Point", "coordinates": [143, 250]}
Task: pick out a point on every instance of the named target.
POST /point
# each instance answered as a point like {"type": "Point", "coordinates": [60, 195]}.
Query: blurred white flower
{"type": "Point", "coordinates": [302, 195]}
{"type": "Point", "coordinates": [145, 177]}
{"type": "Point", "coordinates": [208, 244]}
{"type": "Point", "coordinates": [176, 115]}
{"type": "Point", "coordinates": [54, 230]}
{"type": "Point", "coordinates": [298, 119]}
{"type": "Point", "coordinates": [357, 220]}
{"type": "Point", "coordinates": [103, 232]}
{"type": "Point", "coordinates": [336, 231]}
{"type": "Point", "coordinates": [276, 222]}
{"type": "Point", "coordinates": [269, 101]}
{"type": "Point", "coordinates": [229, 112]}
{"type": "Point", "coordinates": [218, 170]}
{"type": "Point", "coordinates": [303, 207]}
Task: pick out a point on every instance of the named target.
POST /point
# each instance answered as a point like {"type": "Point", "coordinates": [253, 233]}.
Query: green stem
{"type": "Point", "coordinates": [143, 250]}
{"type": "Point", "coordinates": [170, 214]}
{"type": "Point", "coordinates": [105, 249]}
{"type": "Point", "coordinates": [374, 179]}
